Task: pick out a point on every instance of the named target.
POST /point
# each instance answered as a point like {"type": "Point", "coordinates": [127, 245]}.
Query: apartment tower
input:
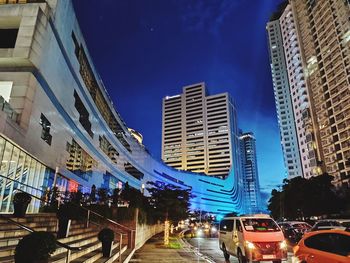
{"type": "Point", "coordinates": [250, 172]}
{"type": "Point", "coordinates": [324, 32]}
{"type": "Point", "coordinates": [298, 93]}
{"type": "Point", "coordinates": [283, 98]}
{"type": "Point", "coordinates": [320, 31]}
{"type": "Point", "coordinates": [199, 132]}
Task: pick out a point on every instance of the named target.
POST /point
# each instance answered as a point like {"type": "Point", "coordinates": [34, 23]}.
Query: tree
{"type": "Point", "coordinates": [134, 196]}
{"type": "Point", "coordinates": [300, 197]}
{"type": "Point", "coordinates": [170, 203]}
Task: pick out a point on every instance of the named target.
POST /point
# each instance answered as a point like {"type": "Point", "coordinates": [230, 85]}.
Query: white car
{"type": "Point", "coordinates": [252, 238]}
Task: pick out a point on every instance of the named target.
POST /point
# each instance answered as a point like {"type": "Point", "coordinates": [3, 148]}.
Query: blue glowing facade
{"type": "Point", "coordinates": [58, 125]}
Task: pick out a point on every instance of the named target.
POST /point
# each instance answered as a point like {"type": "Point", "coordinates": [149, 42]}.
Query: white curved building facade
{"type": "Point", "coordinates": [58, 125]}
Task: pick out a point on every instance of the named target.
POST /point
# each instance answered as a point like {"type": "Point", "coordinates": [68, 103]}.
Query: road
{"type": "Point", "coordinates": [210, 248]}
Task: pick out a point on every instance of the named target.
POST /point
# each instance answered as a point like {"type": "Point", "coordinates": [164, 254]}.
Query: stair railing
{"type": "Point", "coordinates": [131, 233]}
{"type": "Point", "coordinates": [24, 227]}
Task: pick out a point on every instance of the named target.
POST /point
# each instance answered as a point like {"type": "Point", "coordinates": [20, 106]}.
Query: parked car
{"type": "Point", "coordinates": [252, 238]}
{"type": "Point", "coordinates": [327, 224]}
{"type": "Point", "coordinates": [294, 230]}
{"type": "Point", "coordinates": [323, 246]}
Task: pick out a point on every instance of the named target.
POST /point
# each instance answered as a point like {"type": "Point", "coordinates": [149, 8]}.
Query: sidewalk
{"type": "Point", "coordinates": [155, 251]}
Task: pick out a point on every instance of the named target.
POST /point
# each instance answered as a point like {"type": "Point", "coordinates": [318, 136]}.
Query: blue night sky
{"type": "Point", "coordinates": [145, 50]}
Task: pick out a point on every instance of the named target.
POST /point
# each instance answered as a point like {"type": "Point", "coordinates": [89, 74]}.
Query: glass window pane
{"type": "Point", "coordinates": [4, 168]}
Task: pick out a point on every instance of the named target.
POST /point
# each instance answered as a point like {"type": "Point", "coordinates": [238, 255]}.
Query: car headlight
{"type": "Point", "coordinates": [213, 229]}
{"type": "Point", "coordinates": [249, 245]}
{"type": "Point", "coordinates": [283, 245]}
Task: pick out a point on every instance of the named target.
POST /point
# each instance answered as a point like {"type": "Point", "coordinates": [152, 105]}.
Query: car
{"type": "Point", "coordinates": [294, 230]}
{"type": "Point", "coordinates": [323, 246]}
{"type": "Point", "coordinates": [326, 224]}
{"type": "Point", "coordinates": [252, 238]}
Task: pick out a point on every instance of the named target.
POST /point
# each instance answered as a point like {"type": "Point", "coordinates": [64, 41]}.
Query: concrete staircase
{"type": "Point", "coordinates": [79, 236]}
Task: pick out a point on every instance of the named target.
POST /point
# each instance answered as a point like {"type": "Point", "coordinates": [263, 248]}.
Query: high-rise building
{"type": "Point", "coordinates": [319, 33]}
{"type": "Point", "coordinates": [290, 63]}
{"type": "Point", "coordinates": [324, 32]}
{"type": "Point", "coordinates": [250, 172]}
{"type": "Point", "coordinates": [283, 98]}
{"type": "Point", "coordinates": [199, 132]}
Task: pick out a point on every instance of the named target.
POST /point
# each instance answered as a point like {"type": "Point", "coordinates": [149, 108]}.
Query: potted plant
{"type": "Point", "coordinates": [21, 201]}
{"type": "Point", "coordinates": [106, 236]}
{"type": "Point", "coordinates": [36, 247]}
{"type": "Point", "coordinates": [65, 214]}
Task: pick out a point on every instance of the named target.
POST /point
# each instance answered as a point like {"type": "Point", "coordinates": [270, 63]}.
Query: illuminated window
{"type": "Point", "coordinates": [79, 161]}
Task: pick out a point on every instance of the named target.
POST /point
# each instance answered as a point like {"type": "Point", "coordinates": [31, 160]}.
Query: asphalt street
{"type": "Point", "coordinates": [209, 247]}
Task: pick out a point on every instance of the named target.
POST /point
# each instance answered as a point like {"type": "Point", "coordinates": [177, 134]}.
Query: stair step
{"type": "Point", "coordinates": [77, 243]}
{"type": "Point", "coordinates": [79, 234]}
{"type": "Point", "coordinates": [8, 233]}
{"type": "Point", "coordinates": [14, 237]}
{"type": "Point", "coordinates": [125, 255]}
{"type": "Point", "coordinates": [94, 255]}
{"type": "Point", "coordinates": [4, 225]}
{"type": "Point", "coordinates": [115, 255]}
{"type": "Point", "coordinates": [7, 251]}
{"type": "Point", "coordinates": [84, 234]}
{"type": "Point", "coordinates": [7, 259]}
{"type": "Point", "coordinates": [61, 258]}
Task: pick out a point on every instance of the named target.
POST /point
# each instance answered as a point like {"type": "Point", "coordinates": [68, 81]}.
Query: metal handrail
{"type": "Point", "coordinates": [89, 211]}
{"type": "Point", "coordinates": [69, 248]}
{"type": "Point", "coordinates": [84, 208]}
{"type": "Point", "coordinates": [14, 180]}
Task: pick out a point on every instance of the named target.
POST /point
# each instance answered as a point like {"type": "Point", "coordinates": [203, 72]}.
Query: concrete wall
{"type": "Point", "coordinates": [145, 232]}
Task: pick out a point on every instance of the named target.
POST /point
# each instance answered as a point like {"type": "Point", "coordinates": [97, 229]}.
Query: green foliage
{"type": "Point", "coordinates": [102, 210]}
{"type": "Point", "coordinates": [169, 202]}
{"type": "Point", "coordinates": [300, 197]}
{"type": "Point", "coordinates": [135, 198]}
{"type": "Point", "coordinates": [125, 214]}
{"type": "Point", "coordinates": [174, 245]}
{"type": "Point", "coordinates": [76, 197]}
{"type": "Point", "coordinates": [34, 247]}
{"type": "Point", "coordinates": [70, 211]}
{"type": "Point", "coordinates": [22, 197]}
{"type": "Point", "coordinates": [103, 195]}
{"type": "Point", "coordinates": [106, 235]}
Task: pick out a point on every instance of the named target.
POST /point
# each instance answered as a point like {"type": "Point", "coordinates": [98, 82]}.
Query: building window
{"type": "Point", "coordinates": [79, 161]}
{"type": "Point", "coordinates": [45, 132]}
{"type": "Point", "coordinates": [83, 114]}
{"type": "Point", "coordinates": [8, 37]}
{"type": "Point", "coordinates": [5, 95]}
{"type": "Point", "coordinates": [108, 149]}
{"type": "Point", "coordinates": [130, 169]}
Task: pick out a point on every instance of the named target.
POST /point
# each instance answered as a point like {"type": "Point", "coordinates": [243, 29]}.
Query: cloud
{"type": "Point", "coordinates": [204, 15]}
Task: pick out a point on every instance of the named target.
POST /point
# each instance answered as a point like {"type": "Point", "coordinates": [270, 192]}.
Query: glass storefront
{"type": "Point", "coordinates": [19, 170]}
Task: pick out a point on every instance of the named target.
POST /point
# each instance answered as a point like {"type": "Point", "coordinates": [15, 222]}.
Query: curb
{"type": "Point", "coordinates": [195, 250]}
